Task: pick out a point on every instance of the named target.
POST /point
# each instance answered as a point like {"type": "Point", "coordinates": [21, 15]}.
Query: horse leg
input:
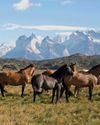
{"type": "Point", "coordinates": [70, 93]}
{"type": "Point", "coordinates": [53, 94]}
{"type": "Point", "coordinates": [57, 92]}
{"type": "Point", "coordinates": [34, 96]}
{"type": "Point", "coordinates": [90, 92]}
{"type": "Point", "coordinates": [75, 90]}
{"type": "Point", "coordinates": [23, 87]}
{"type": "Point", "coordinates": [2, 90]}
{"type": "Point", "coordinates": [66, 93]}
{"type": "Point", "coordinates": [62, 91]}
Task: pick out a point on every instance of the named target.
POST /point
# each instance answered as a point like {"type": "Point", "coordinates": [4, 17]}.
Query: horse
{"type": "Point", "coordinates": [13, 78]}
{"type": "Point", "coordinates": [52, 82]}
{"type": "Point", "coordinates": [48, 72]}
{"type": "Point", "coordinates": [80, 80]}
{"type": "Point", "coordinates": [95, 70]}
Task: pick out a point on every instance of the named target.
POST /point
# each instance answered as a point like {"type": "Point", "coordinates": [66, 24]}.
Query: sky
{"type": "Point", "coordinates": [46, 17]}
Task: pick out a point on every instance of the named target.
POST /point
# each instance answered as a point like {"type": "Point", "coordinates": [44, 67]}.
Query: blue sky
{"type": "Point", "coordinates": [46, 17]}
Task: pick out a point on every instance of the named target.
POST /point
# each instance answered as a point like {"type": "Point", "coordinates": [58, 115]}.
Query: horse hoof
{"type": "Point", "coordinates": [22, 96]}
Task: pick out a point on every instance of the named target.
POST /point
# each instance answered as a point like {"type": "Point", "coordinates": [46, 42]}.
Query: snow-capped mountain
{"type": "Point", "coordinates": [4, 48]}
{"type": "Point", "coordinates": [63, 44]}
{"type": "Point", "coordinates": [26, 47]}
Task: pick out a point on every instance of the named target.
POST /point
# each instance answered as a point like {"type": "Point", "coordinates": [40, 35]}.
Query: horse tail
{"type": "Point", "coordinates": [33, 80]}
{"type": "Point", "coordinates": [35, 85]}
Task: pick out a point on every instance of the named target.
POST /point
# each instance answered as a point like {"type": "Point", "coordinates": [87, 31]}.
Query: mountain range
{"type": "Point", "coordinates": [63, 44]}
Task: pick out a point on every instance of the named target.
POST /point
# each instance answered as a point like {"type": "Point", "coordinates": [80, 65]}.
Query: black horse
{"type": "Point", "coordinates": [54, 81]}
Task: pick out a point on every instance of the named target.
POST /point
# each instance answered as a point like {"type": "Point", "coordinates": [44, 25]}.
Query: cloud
{"type": "Point", "coordinates": [65, 2]}
{"type": "Point", "coordinates": [44, 27]}
{"type": "Point", "coordinates": [25, 4]}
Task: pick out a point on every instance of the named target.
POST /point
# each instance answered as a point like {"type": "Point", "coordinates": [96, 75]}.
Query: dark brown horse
{"type": "Point", "coordinates": [49, 73]}
{"type": "Point", "coordinates": [20, 77]}
{"type": "Point", "coordinates": [52, 82]}
{"type": "Point", "coordinates": [95, 71]}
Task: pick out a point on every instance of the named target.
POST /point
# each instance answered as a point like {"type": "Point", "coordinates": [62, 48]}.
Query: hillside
{"type": "Point", "coordinates": [81, 60]}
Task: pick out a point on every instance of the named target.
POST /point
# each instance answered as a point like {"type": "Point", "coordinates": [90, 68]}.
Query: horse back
{"type": "Point", "coordinates": [43, 81]}
{"type": "Point", "coordinates": [95, 70]}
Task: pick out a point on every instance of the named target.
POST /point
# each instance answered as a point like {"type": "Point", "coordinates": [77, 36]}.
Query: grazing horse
{"type": "Point", "coordinates": [54, 81]}
{"type": "Point", "coordinates": [20, 77]}
{"type": "Point", "coordinates": [80, 80]}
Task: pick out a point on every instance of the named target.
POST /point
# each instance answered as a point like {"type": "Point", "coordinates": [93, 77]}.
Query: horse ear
{"type": "Point", "coordinates": [72, 63]}
{"type": "Point", "coordinates": [75, 63]}
{"type": "Point", "coordinates": [32, 65]}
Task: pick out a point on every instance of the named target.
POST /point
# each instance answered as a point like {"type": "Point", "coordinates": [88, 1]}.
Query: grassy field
{"type": "Point", "coordinates": [15, 110]}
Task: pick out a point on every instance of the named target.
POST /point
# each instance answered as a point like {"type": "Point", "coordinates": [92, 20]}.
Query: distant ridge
{"type": "Point", "coordinates": [82, 61]}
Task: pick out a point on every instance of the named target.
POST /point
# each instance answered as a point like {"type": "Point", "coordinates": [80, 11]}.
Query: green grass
{"type": "Point", "coordinates": [15, 110]}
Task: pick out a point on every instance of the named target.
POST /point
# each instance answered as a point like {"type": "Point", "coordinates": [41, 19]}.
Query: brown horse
{"type": "Point", "coordinates": [80, 80]}
{"type": "Point", "coordinates": [95, 70]}
{"type": "Point", "coordinates": [20, 77]}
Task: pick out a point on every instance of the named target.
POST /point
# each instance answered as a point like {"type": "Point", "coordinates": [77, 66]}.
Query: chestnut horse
{"type": "Point", "coordinates": [20, 77]}
{"type": "Point", "coordinates": [80, 80]}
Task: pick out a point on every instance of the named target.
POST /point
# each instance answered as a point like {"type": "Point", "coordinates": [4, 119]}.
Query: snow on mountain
{"type": "Point", "coordinates": [63, 44]}
{"type": "Point", "coordinates": [60, 37]}
{"type": "Point", "coordinates": [26, 47]}
{"type": "Point", "coordinates": [79, 43]}
{"type": "Point", "coordinates": [4, 48]}
{"type": "Point", "coordinates": [51, 49]}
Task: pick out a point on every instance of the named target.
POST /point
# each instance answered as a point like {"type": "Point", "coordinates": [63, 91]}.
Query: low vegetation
{"type": "Point", "coordinates": [15, 110]}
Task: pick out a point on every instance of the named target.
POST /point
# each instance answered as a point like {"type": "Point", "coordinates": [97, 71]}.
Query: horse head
{"type": "Point", "coordinates": [32, 68]}
{"type": "Point", "coordinates": [27, 72]}
{"type": "Point", "coordinates": [73, 66]}
{"type": "Point", "coordinates": [62, 71]}
{"type": "Point", "coordinates": [68, 70]}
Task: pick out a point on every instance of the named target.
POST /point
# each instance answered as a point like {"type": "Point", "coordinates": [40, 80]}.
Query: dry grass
{"type": "Point", "coordinates": [15, 110]}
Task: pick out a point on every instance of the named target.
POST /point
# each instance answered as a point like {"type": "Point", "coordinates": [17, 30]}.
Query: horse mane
{"type": "Point", "coordinates": [94, 67]}
{"type": "Point", "coordinates": [58, 73]}
{"type": "Point", "coordinates": [31, 65]}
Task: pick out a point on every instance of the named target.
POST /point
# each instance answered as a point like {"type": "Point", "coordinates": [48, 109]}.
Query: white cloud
{"type": "Point", "coordinates": [44, 27]}
{"type": "Point", "coordinates": [25, 4]}
{"type": "Point", "coordinates": [36, 4]}
{"type": "Point", "coordinates": [65, 2]}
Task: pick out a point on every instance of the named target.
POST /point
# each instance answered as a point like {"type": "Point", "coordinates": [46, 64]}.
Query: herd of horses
{"type": "Point", "coordinates": [58, 81]}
